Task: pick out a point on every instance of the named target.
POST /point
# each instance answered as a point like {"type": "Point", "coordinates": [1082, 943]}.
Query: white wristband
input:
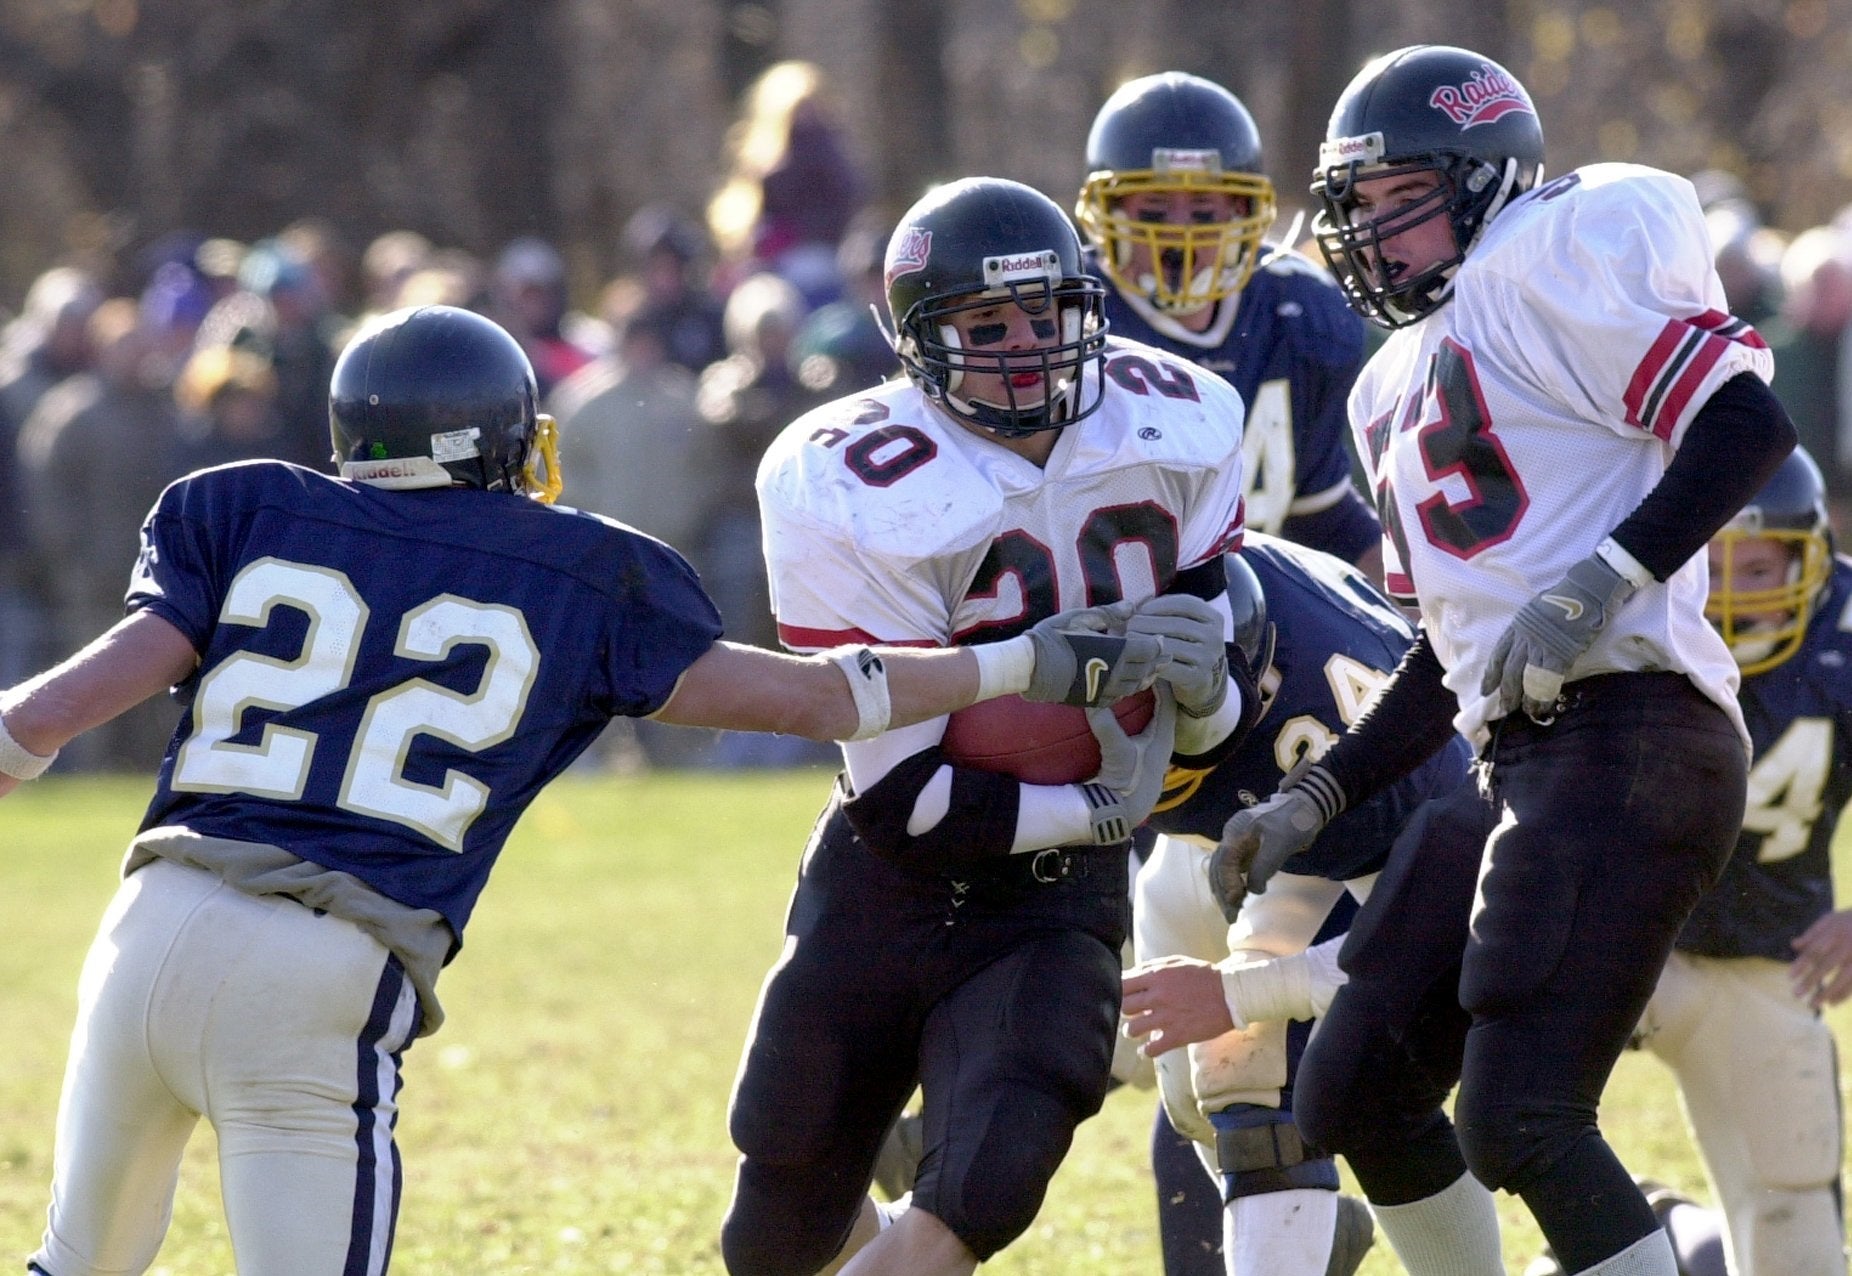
{"type": "Point", "coordinates": [868, 684]}
{"type": "Point", "coordinates": [1624, 565]}
{"type": "Point", "coordinates": [1004, 668]}
{"type": "Point", "coordinates": [17, 761]}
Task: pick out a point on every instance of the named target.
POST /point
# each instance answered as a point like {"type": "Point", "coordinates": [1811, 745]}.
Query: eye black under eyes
{"type": "Point", "coordinates": [989, 334]}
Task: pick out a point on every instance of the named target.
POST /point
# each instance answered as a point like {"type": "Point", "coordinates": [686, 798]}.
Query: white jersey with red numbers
{"type": "Point", "coordinates": [1509, 432]}
{"type": "Point", "coordinates": [887, 521]}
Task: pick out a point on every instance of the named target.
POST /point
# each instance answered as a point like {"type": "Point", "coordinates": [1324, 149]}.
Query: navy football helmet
{"type": "Point", "coordinates": [433, 396]}
{"type": "Point", "coordinates": [1765, 626]}
{"type": "Point", "coordinates": [1426, 108]}
{"type": "Point", "coordinates": [1173, 133]}
{"type": "Point", "coordinates": [972, 244]}
{"type": "Point", "coordinates": [1254, 633]}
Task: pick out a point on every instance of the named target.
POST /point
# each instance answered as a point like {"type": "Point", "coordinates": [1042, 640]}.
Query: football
{"type": "Point", "coordinates": [1034, 742]}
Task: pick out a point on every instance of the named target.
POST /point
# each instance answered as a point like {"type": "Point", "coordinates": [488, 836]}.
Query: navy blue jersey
{"type": "Point", "coordinates": [1779, 881]}
{"type": "Point", "coordinates": [1291, 350]}
{"type": "Point", "coordinates": [1338, 639]}
{"type": "Point", "coordinates": [388, 678]}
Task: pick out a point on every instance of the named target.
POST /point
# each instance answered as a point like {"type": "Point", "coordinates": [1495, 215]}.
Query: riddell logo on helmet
{"type": "Point", "coordinates": [909, 254]}
{"type": "Point", "coordinates": [1490, 95]}
{"type": "Point", "coordinates": [373, 471]}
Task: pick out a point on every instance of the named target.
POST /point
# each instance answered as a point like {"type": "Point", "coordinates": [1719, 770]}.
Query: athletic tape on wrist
{"type": "Point", "coordinates": [1623, 564]}
{"type": "Point", "coordinates": [867, 677]}
{"type": "Point", "coordinates": [19, 762]}
{"type": "Point", "coordinates": [1004, 668]}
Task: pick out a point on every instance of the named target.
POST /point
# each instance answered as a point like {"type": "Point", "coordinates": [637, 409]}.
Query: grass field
{"type": "Point", "coordinates": [570, 1117]}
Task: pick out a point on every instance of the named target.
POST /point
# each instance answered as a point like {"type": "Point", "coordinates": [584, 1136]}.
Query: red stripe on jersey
{"type": "Point", "coordinates": [1695, 369]}
{"type": "Point", "coordinates": [1731, 328]}
{"type": "Point", "coordinates": [799, 638]}
{"type": "Point", "coordinates": [1648, 372]}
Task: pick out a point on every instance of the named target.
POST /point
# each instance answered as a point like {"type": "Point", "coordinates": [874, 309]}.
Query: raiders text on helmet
{"type": "Point", "coordinates": [1427, 108]}
{"type": "Point", "coordinates": [1175, 133]}
{"type": "Point", "coordinates": [433, 396]}
{"type": "Point", "coordinates": [975, 243]}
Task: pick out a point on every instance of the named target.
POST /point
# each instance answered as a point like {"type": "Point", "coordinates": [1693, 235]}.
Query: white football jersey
{"type": "Point", "coordinates": [887, 521]}
{"type": "Point", "coordinates": [1509, 432]}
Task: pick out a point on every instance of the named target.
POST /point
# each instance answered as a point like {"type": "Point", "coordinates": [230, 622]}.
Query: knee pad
{"type": "Point", "coordinates": [1260, 1150]}
{"type": "Point", "coordinates": [787, 1220]}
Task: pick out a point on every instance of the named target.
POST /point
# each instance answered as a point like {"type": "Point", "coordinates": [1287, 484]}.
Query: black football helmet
{"type": "Point", "coordinates": [1167, 133]}
{"type": "Point", "coordinates": [433, 396]}
{"type": "Point", "coordinates": [974, 243]}
{"type": "Point", "coordinates": [1254, 633]}
{"type": "Point", "coordinates": [1426, 108]}
{"type": "Point", "coordinates": [1764, 627]}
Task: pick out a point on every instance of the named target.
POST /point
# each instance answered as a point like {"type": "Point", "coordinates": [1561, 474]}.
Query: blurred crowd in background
{"type": "Point", "coordinates": [726, 323]}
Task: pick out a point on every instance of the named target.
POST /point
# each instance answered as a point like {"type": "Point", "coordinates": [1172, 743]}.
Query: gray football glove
{"type": "Point", "coordinates": [1548, 635]}
{"type": "Point", "coordinates": [1084, 657]}
{"type": "Point", "coordinates": [1195, 659]}
{"type": "Point", "coordinates": [1257, 840]}
{"type": "Point", "coordinates": [1131, 778]}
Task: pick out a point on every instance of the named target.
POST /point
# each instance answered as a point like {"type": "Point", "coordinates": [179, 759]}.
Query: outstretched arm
{"type": "Point", "coordinates": [138, 657]}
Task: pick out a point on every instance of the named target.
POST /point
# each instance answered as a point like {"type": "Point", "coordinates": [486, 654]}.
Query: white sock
{"type": "Point", "coordinates": [1279, 1233]}
{"type": "Point", "coordinates": [1651, 1255]}
{"type": "Point", "coordinates": [1451, 1233]}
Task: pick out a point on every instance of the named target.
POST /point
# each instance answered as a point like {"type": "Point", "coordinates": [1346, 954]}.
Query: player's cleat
{"type": "Point", "coordinates": [898, 1161]}
{"type": "Point", "coordinates": [1351, 1239]}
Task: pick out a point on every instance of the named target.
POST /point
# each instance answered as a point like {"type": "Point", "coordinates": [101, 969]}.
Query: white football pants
{"type": "Point", "coordinates": [282, 1028]}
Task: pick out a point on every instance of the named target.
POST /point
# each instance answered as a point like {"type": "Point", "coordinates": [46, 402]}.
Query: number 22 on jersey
{"type": "Point", "coordinates": [373, 782]}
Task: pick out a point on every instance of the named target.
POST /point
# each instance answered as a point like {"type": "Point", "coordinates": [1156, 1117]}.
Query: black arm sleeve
{"type": "Point", "coordinates": [979, 824]}
{"type": "Point", "coordinates": [1400, 730]}
{"type": "Point", "coordinates": [1736, 440]}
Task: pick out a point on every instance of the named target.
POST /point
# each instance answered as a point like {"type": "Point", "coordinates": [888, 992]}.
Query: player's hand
{"type": "Point", "coordinates": [1195, 657]}
{"type": "Point", "coordinates": [1257, 840]}
{"type": "Point", "coordinates": [1547, 636]}
{"type": "Point", "coordinates": [1173, 1002]}
{"type": "Point", "coordinates": [1132, 768]}
{"type": "Point", "coordinates": [1084, 657]}
{"type": "Point", "coordinates": [1821, 972]}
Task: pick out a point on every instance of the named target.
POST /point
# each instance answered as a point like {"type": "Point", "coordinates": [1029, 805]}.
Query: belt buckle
{"type": "Point", "coordinates": [1059, 866]}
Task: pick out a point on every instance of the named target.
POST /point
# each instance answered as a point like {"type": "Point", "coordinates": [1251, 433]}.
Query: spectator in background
{"type": "Point", "coordinates": [666, 251]}
{"type": "Point", "coordinates": [744, 401]}
{"type": "Point", "coordinates": [793, 189]}
{"type": "Point", "coordinates": [840, 347]}
{"type": "Point", "coordinates": [93, 457]}
{"type": "Point", "coordinates": [527, 295]}
{"type": "Point", "coordinates": [1812, 343]}
{"type": "Point", "coordinates": [293, 327]}
{"type": "Point", "coordinates": [227, 399]}
{"type": "Point", "coordinates": [448, 277]}
{"type": "Point", "coordinates": [628, 432]}
{"type": "Point", "coordinates": [388, 262]}
{"type": "Point", "coordinates": [628, 440]}
{"type": "Point", "coordinates": [48, 342]}
{"type": "Point", "coordinates": [319, 245]}
{"type": "Point", "coordinates": [1748, 259]}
